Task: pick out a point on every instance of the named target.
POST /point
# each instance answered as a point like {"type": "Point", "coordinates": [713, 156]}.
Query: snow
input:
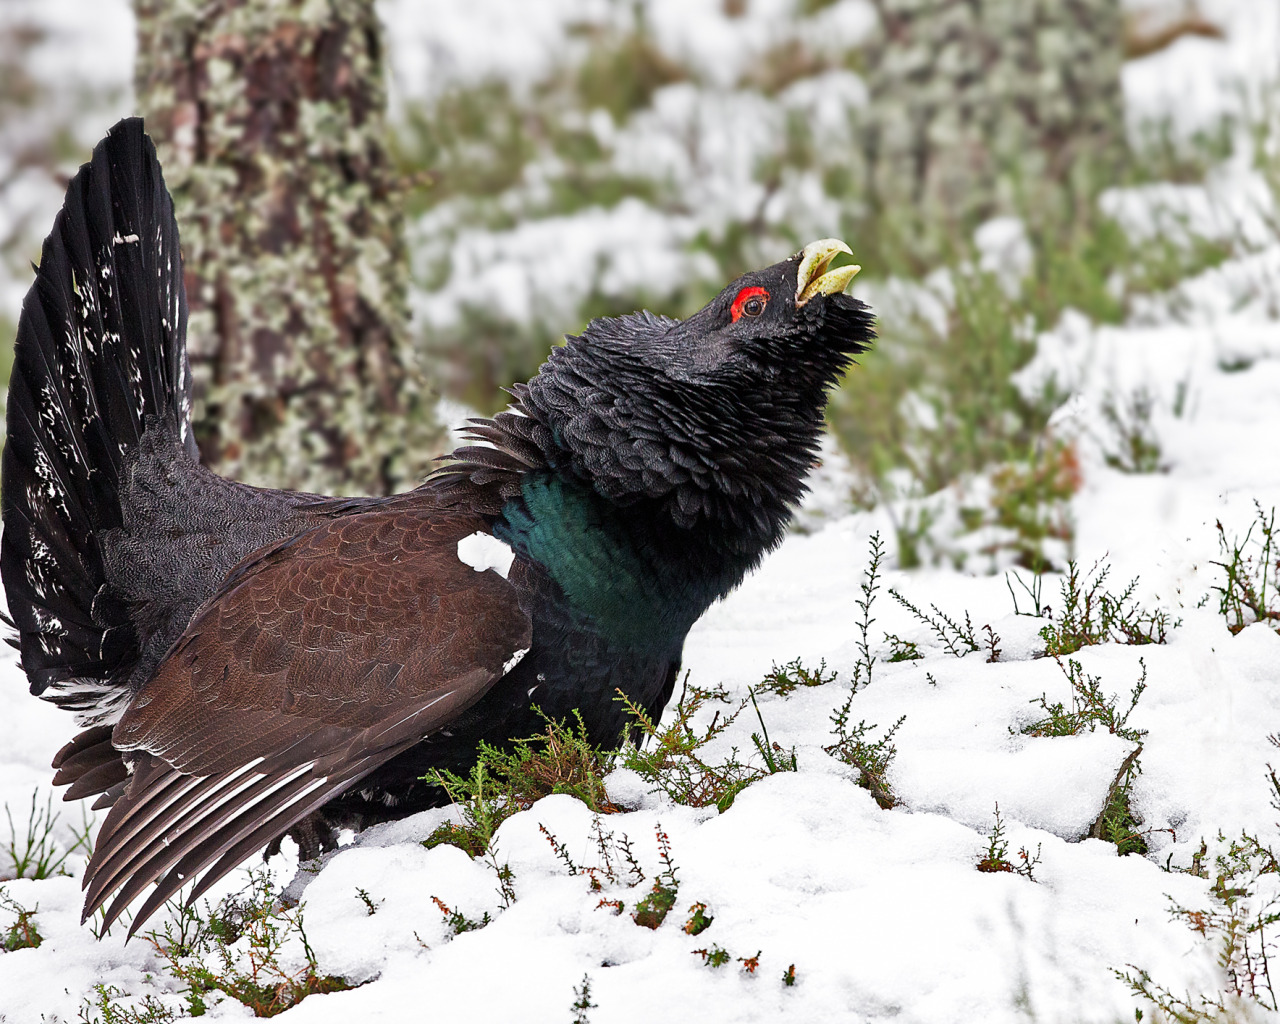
{"type": "Point", "coordinates": [882, 912]}
{"type": "Point", "coordinates": [1005, 251]}
{"type": "Point", "coordinates": [543, 269]}
{"type": "Point", "coordinates": [1191, 84]}
{"type": "Point", "coordinates": [435, 47]}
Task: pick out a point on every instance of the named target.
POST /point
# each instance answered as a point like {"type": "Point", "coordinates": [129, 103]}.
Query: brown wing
{"type": "Point", "coordinates": [321, 659]}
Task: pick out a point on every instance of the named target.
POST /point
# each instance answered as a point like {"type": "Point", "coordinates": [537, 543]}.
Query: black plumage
{"type": "Point", "coordinates": [248, 661]}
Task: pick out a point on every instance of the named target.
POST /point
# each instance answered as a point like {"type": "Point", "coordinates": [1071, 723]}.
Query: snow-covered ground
{"type": "Point", "coordinates": [882, 913]}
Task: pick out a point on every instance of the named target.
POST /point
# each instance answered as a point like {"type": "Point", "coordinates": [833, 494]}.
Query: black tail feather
{"type": "Point", "coordinates": [100, 356]}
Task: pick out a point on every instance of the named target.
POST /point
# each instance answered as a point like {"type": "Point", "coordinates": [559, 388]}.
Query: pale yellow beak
{"type": "Point", "coordinates": [813, 278]}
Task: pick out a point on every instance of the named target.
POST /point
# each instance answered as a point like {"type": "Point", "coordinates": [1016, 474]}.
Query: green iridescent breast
{"type": "Point", "coordinates": [625, 580]}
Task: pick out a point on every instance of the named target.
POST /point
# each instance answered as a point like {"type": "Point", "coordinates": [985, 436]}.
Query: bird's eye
{"type": "Point", "coordinates": [749, 302]}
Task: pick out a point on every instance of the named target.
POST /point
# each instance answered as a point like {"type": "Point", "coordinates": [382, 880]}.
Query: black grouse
{"type": "Point", "coordinates": [247, 661]}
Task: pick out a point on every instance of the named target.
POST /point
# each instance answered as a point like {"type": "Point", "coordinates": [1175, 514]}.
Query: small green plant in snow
{"type": "Point", "coordinates": [1117, 823]}
{"type": "Point", "coordinates": [1241, 926]}
{"type": "Point", "coordinates": [1090, 707]}
{"type": "Point", "coordinates": [504, 781]}
{"type": "Point", "coordinates": [1091, 614]}
{"type": "Point", "coordinates": [996, 858]}
{"type": "Point", "coordinates": [956, 640]}
{"type": "Point", "coordinates": [458, 922]}
{"type": "Point", "coordinates": [716, 956]}
{"type": "Point", "coordinates": [107, 1006]}
{"type": "Point", "coordinates": [871, 757]}
{"type": "Point", "coordinates": [249, 948]}
{"type": "Point", "coordinates": [21, 933]}
{"type": "Point", "coordinates": [784, 679]}
{"type": "Point", "coordinates": [671, 759]}
{"type": "Point", "coordinates": [698, 921]}
{"type": "Point", "coordinates": [31, 851]}
{"type": "Point", "coordinates": [582, 1001]}
{"type": "Point", "coordinates": [901, 650]}
{"type": "Point", "coordinates": [1134, 446]}
{"type": "Point", "coordinates": [1251, 591]}
{"type": "Point", "coordinates": [652, 909]}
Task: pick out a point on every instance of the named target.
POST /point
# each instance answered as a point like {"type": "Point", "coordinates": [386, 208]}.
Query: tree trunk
{"type": "Point", "coordinates": [269, 119]}
{"type": "Point", "coordinates": [987, 107]}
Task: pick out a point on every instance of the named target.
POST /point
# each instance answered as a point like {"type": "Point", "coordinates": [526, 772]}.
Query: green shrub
{"type": "Point", "coordinates": [239, 949]}
{"type": "Point", "coordinates": [671, 760]}
{"type": "Point", "coordinates": [995, 859]}
{"type": "Point", "coordinates": [1240, 927]}
{"type": "Point", "coordinates": [31, 851]}
{"type": "Point", "coordinates": [1251, 591]}
{"type": "Point", "coordinates": [107, 1006]}
{"type": "Point", "coordinates": [22, 932]}
{"type": "Point", "coordinates": [1091, 614]}
{"type": "Point", "coordinates": [957, 640]}
{"type": "Point", "coordinates": [1090, 707]}
{"type": "Point", "coordinates": [784, 679]}
{"type": "Point", "coordinates": [1117, 823]}
{"type": "Point", "coordinates": [872, 758]}
{"type": "Point", "coordinates": [504, 781]}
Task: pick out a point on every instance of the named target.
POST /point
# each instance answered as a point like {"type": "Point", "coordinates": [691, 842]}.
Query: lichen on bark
{"type": "Point", "coordinates": [980, 108]}
{"type": "Point", "coordinates": [269, 119]}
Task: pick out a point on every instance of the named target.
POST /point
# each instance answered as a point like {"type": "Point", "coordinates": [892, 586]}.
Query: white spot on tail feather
{"type": "Point", "coordinates": [484, 551]}
{"type": "Point", "coordinates": [513, 661]}
{"type": "Point", "coordinates": [42, 570]}
{"type": "Point", "coordinates": [120, 239]}
{"type": "Point", "coordinates": [49, 492]}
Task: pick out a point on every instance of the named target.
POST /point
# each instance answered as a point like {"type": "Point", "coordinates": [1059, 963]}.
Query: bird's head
{"type": "Point", "coordinates": [791, 320]}
{"type": "Point", "coordinates": [717, 417]}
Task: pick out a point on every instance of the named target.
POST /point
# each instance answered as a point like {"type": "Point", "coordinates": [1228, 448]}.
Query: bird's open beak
{"type": "Point", "coordinates": [811, 279]}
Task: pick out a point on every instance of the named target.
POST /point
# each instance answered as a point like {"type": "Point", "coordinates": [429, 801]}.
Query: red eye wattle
{"type": "Point", "coordinates": [749, 302]}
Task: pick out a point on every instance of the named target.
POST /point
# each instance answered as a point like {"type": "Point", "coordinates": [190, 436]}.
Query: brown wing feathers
{"type": "Point", "coordinates": [89, 764]}
{"type": "Point", "coordinates": [320, 660]}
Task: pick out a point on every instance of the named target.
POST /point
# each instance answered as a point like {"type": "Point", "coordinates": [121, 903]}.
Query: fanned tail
{"type": "Point", "coordinates": [100, 358]}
